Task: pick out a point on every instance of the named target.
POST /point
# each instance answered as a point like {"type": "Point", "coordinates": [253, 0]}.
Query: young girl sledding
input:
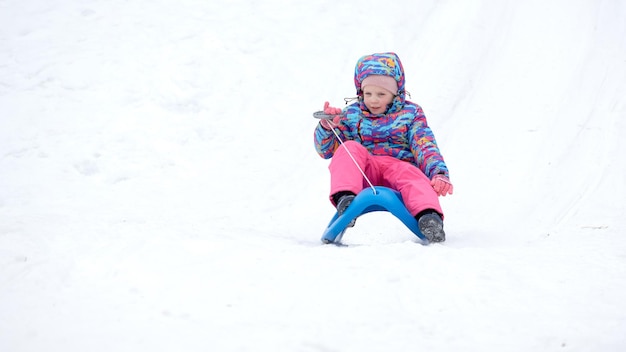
{"type": "Point", "coordinates": [389, 138]}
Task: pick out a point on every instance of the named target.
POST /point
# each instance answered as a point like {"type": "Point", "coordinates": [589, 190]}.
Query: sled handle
{"type": "Point", "coordinates": [323, 116]}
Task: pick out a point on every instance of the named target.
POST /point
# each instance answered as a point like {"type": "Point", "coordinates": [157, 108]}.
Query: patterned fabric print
{"type": "Point", "coordinates": [404, 135]}
{"type": "Point", "coordinates": [402, 132]}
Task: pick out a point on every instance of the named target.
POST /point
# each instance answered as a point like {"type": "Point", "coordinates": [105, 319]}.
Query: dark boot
{"type": "Point", "coordinates": [431, 226]}
{"type": "Point", "coordinates": [343, 203]}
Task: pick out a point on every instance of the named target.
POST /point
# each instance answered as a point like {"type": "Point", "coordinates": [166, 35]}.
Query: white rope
{"type": "Point", "coordinates": [354, 160]}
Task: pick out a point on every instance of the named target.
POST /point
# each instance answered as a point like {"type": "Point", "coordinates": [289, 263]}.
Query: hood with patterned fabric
{"type": "Point", "coordinates": [386, 64]}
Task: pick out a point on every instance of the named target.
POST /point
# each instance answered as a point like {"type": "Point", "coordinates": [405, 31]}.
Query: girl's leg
{"type": "Point", "coordinates": [417, 193]}
{"type": "Point", "coordinates": [344, 174]}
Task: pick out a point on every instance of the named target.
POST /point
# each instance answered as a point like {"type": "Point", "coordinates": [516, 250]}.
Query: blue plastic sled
{"type": "Point", "coordinates": [369, 200]}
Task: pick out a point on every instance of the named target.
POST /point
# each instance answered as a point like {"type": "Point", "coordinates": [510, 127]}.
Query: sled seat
{"type": "Point", "coordinates": [368, 200]}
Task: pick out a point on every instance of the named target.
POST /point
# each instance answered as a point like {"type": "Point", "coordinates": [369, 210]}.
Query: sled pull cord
{"type": "Point", "coordinates": [354, 160]}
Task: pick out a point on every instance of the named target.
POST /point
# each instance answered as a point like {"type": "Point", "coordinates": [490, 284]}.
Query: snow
{"type": "Point", "coordinates": [159, 189]}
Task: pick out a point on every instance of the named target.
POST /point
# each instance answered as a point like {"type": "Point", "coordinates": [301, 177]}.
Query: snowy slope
{"type": "Point", "coordinates": [159, 189]}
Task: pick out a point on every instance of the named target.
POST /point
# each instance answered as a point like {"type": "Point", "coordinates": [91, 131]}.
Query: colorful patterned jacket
{"type": "Point", "coordinates": [401, 132]}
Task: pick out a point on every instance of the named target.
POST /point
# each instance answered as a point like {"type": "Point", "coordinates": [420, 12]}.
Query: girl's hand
{"type": "Point", "coordinates": [329, 110]}
{"type": "Point", "coordinates": [441, 184]}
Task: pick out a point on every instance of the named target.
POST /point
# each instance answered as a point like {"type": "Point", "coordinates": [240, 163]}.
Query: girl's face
{"type": "Point", "coordinates": [377, 99]}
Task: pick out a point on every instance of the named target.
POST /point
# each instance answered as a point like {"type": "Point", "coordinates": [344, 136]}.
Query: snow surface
{"type": "Point", "coordinates": [159, 188]}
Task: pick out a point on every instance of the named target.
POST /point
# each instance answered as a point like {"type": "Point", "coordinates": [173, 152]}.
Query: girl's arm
{"type": "Point", "coordinates": [325, 142]}
{"type": "Point", "coordinates": [424, 147]}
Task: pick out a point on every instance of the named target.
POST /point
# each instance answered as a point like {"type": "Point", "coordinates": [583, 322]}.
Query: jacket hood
{"type": "Point", "coordinates": [387, 64]}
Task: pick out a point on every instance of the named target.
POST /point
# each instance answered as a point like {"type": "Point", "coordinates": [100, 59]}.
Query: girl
{"type": "Point", "coordinates": [389, 138]}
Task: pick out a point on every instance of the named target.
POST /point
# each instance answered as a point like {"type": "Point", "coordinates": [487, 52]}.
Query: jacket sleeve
{"type": "Point", "coordinates": [424, 148]}
{"type": "Point", "coordinates": [325, 142]}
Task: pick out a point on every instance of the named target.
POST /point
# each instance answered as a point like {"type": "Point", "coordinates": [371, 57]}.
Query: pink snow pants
{"type": "Point", "coordinates": [387, 171]}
